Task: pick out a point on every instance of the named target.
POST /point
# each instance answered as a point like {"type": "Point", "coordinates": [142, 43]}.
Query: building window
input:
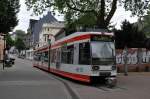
{"type": "Point", "coordinates": [44, 38]}
{"type": "Point", "coordinates": [84, 53]}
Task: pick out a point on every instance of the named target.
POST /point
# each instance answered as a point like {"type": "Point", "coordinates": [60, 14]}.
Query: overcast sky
{"type": "Point", "coordinates": [24, 16]}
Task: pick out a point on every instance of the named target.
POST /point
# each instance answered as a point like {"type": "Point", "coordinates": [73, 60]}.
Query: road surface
{"type": "Point", "coordinates": [22, 81]}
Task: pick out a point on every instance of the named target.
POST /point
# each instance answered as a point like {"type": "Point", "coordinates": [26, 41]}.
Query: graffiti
{"type": "Point", "coordinates": [134, 56]}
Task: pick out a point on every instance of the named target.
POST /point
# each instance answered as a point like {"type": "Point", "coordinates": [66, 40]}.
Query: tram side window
{"type": "Point", "coordinates": [84, 53]}
{"type": "Point", "coordinates": [53, 56]}
{"type": "Point", "coordinates": [37, 56]}
{"type": "Point", "coordinates": [64, 54]}
{"type": "Point", "coordinates": [45, 56]}
{"type": "Point", "coordinates": [67, 54]}
{"type": "Point", "coordinates": [70, 54]}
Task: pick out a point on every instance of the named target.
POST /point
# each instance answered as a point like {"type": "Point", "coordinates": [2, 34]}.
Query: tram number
{"type": "Point", "coordinates": [79, 69]}
{"type": "Point", "coordinates": [101, 38]}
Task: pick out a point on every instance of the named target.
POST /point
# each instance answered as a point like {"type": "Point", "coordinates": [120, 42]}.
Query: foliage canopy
{"type": "Point", "coordinates": [8, 12]}
{"type": "Point", "coordinates": [102, 11]}
{"type": "Point", "coordinates": [129, 36]}
{"type": "Point", "coordinates": [19, 44]}
{"type": "Point", "coordinates": [146, 24]}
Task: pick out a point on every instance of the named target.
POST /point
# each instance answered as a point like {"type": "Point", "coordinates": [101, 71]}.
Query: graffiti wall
{"type": "Point", "coordinates": [135, 57]}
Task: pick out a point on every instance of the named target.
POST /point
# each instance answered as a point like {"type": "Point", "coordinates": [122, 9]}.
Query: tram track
{"type": "Point", "coordinates": [103, 88]}
{"type": "Point", "coordinates": [71, 92]}
{"type": "Point", "coordinates": [74, 95]}
{"type": "Point", "coordinates": [108, 89]}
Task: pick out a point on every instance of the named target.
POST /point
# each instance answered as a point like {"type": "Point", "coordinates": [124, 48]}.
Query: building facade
{"type": "Point", "coordinates": [49, 29]}
{"type": "Point", "coordinates": [38, 32]}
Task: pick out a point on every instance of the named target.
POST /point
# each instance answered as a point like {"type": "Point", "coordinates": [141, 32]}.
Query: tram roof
{"type": "Point", "coordinates": [83, 33]}
{"type": "Point", "coordinates": [76, 34]}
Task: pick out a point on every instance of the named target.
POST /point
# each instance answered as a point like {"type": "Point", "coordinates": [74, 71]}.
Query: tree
{"type": "Point", "coordinates": [20, 34]}
{"type": "Point", "coordinates": [20, 40]}
{"type": "Point", "coordinates": [19, 44]}
{"type": "Point", "coordinates": [8, 12]}
{"type": "Point", "coordinates": [102, 10]}
{"type": "Point", "coordinates": [9, 41]}
{"type": "Point", "coordinates": [146, 24]}
{"type": "Point", "coordinates": [129, 36]}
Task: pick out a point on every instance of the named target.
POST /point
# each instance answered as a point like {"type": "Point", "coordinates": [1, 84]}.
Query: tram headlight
{"type": "Point", "coordinates": [113, 67]}
{"type": "Point", "coordinates": [95, 67]}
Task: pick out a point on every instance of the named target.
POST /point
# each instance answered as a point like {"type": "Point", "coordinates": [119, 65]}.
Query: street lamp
{"type": "Point", "coordinates": [49, 47]}
{"type": "Point", "coordinates": [49, 36]}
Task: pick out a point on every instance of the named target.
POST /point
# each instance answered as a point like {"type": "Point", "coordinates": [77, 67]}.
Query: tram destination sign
{"type": "Point", "coordinates": [101, 38]}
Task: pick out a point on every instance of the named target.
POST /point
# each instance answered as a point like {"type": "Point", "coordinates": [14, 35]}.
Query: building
{"type": "Point", "coordinates": [49, 29]}
{"type": "Point", "coordinates": [36, 27]}
{"type": "Point", "coordinates": [29, 41]}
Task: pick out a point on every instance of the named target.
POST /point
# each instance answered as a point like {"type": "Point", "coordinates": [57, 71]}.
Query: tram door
{"type": "Point", "coordinates": [58, 58]}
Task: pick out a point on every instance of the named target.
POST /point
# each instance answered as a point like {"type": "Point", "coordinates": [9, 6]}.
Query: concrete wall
{"type": "Point", "coordinates": [137, 59]}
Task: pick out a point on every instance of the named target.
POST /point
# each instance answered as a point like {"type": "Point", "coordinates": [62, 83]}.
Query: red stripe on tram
{"type": "Point", "coordinates": [79, 77]}
{"type": "Point", "coordinates": [82, 37]}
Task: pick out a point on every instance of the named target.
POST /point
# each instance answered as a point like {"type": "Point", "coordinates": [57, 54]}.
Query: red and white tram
{"type": "Point", "coordinates": [83, 56]}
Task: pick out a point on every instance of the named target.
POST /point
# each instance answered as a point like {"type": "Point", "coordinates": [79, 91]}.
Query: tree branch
{"type": "Point", "coordinates": [77, 9]}
{"type": "Point", "coordinates": [102, 10]}
{"type": "Point", "coordinates": [112, 11]}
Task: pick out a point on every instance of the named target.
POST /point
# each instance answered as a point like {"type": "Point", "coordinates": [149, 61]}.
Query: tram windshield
{"type": "Point", "coordinates": [103, 53]}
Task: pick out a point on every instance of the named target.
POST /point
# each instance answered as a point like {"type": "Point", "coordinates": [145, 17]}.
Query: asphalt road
{"type": "Point", "coordinates": [22, 81]}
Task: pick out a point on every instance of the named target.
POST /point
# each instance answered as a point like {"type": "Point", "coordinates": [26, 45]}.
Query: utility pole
{"type": "Point", "coordinates": [125, 61]}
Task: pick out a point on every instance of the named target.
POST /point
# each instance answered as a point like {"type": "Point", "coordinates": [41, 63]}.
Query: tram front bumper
{"type": "Point", "coordinates": [111, 81]}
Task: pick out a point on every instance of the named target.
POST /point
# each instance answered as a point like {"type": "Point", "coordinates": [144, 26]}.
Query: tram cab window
{"type": "Point", "coordinates": [67, 54]}
{"type": "Point", "coordinates": [84, 53]}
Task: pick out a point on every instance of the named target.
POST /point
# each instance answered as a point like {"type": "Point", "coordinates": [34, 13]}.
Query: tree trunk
{"type": "Point", "coordinates": [101, 23]}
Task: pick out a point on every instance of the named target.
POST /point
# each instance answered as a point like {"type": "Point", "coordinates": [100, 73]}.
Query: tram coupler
{"type": "Point", "coordinates": [111, 81]}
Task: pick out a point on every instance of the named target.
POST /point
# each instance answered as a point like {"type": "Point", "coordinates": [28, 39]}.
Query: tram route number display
{"type": "Point", "coordinates": [101, 38]}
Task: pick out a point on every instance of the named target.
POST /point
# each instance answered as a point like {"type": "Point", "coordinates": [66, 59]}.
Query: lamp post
{"type": "Point", "coordinates": [125, 62]}
{"type": "Point", "coordinates": [2, 34]}
{"type": "Point", "coordinates": [49, 47]}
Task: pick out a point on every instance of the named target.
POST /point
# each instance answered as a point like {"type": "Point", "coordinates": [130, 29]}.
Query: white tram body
{"type": "Point", "coordinates": [83, 56]}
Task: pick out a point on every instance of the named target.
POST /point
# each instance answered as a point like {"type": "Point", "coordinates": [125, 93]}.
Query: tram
{"type": "Point", "coordinates": [82, 56]}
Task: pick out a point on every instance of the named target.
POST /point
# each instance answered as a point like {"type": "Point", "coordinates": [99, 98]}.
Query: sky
{"type": "Point", "coordinates": [24, 16]}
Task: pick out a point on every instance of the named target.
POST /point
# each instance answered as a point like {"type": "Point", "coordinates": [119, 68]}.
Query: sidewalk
{"type": "Point", "coordinates": [1, 66]}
